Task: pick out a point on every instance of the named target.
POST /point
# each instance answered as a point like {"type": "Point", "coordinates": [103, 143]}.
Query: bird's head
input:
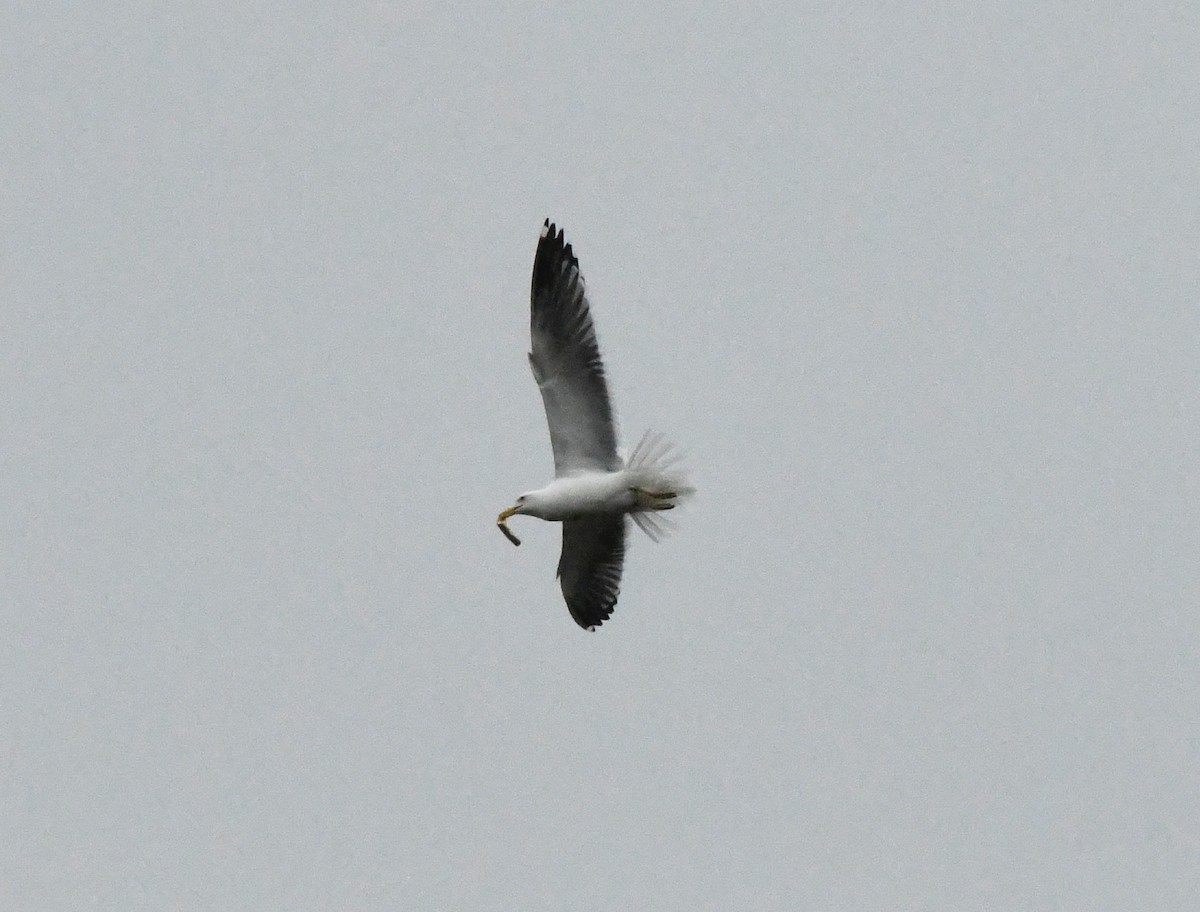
{"type": "Point", "coordinates": [521, 506]}
{"type": "Point", "coordinates": [524, 504]}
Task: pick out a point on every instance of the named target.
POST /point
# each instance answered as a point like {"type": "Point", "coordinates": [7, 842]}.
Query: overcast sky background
{"type": "Point", "coordinates": [915, 285]}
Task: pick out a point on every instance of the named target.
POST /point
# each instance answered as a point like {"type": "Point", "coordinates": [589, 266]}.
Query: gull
{"type": "Point", "coordinates": [594, 489]}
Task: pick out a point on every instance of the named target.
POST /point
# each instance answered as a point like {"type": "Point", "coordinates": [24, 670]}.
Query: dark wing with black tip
{"type": "Point", "coordinates": [566, 362]}
{"type": "Point", "coordinates": [589, 570]}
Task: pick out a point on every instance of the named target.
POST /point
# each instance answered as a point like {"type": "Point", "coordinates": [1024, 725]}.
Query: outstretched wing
{"type": "Point", "coordinates": [566, 362]}
{"type": "Point", "coordinates": [590, 567]}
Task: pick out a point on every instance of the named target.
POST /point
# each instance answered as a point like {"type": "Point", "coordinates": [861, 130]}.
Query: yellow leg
{"type": "Point", "coordinates": [655, 498]}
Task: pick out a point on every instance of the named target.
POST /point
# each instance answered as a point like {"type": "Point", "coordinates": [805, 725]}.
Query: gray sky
{"type": "Point", "coordinates": [915, 286]}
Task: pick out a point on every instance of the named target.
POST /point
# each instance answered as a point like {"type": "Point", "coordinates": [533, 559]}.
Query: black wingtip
{"type": "Point", "coordinates": [591, 616]}
{"type": "Point", "coordinates": [591, 625]}
{"type": "Point", "coordinates": [553, 240]}
{"type": "Point", "coordinates": [553, 255]}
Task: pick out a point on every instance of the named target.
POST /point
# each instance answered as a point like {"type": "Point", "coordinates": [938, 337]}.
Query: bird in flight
{"type": "Point", "coordinates": [594, 489]}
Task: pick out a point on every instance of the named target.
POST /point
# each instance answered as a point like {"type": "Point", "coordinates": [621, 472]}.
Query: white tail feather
{"type": "Point", "coordinates": [655, 525]}
{"type": "Point", "coordinates": [652, 468]}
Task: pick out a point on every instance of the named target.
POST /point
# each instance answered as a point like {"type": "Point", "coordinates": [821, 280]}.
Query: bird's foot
{"type": "Point", "coordinates": [654, 500]}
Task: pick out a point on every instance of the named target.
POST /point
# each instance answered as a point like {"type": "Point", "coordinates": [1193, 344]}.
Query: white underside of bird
{"type": "Point", "coordinates": [645, 486]}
